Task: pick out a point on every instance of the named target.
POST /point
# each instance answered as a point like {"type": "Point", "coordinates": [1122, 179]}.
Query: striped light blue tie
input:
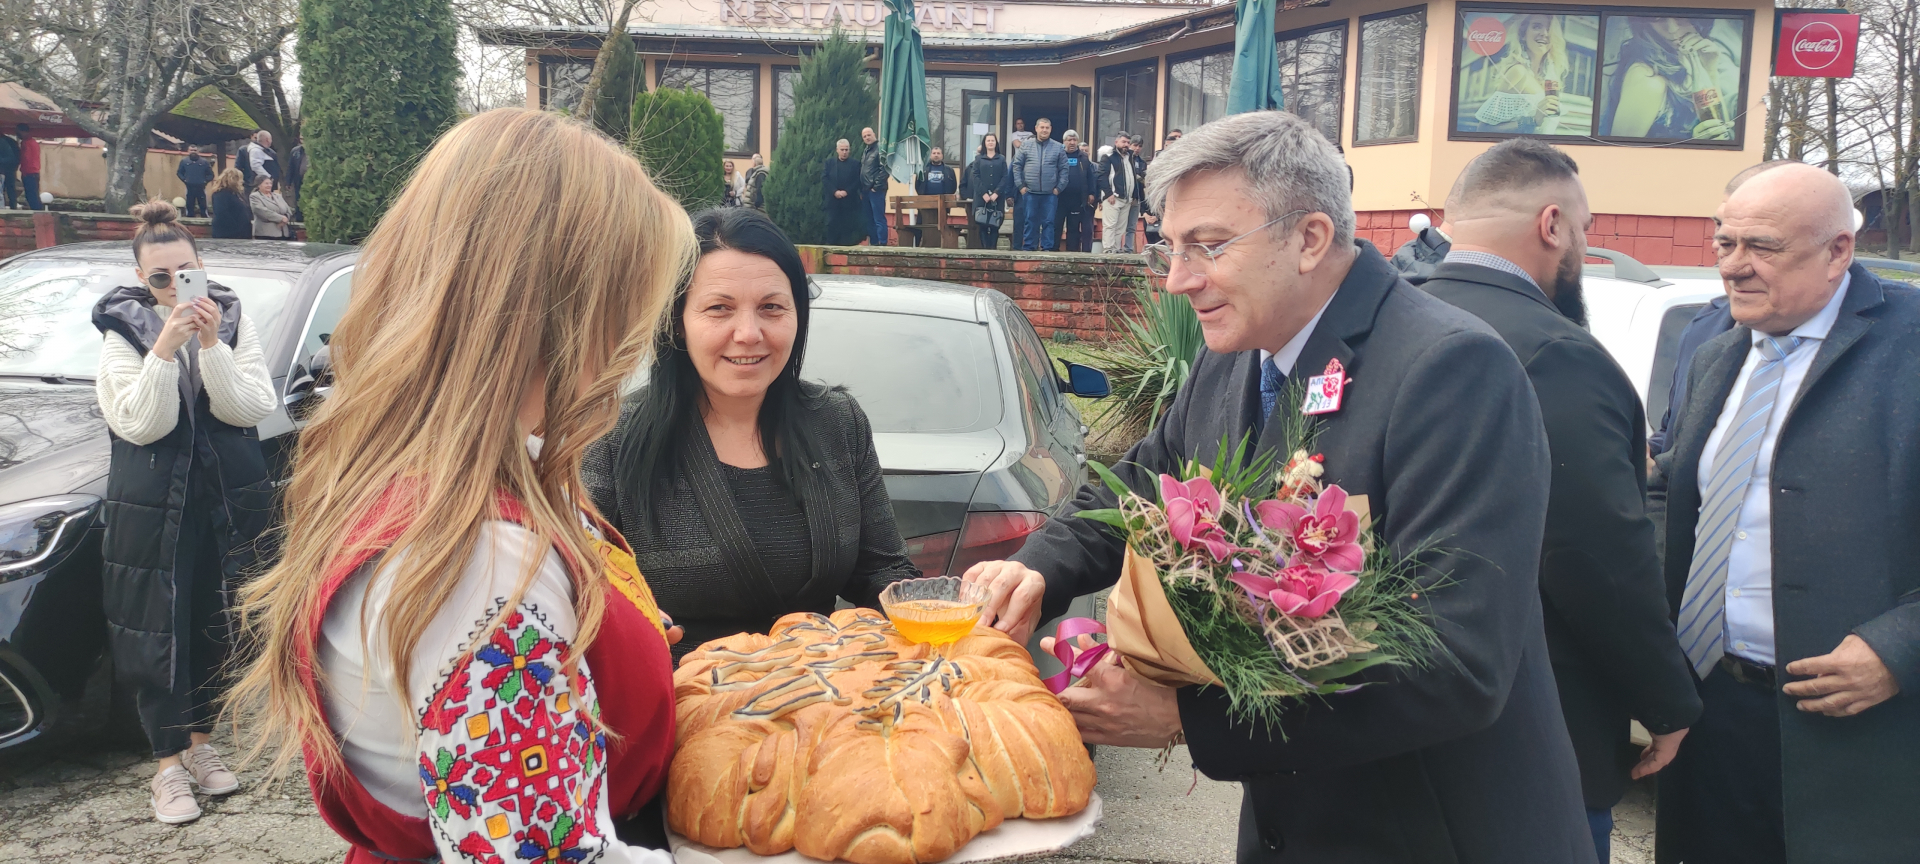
{"type": "Point", "coordinates": [1703, 615]}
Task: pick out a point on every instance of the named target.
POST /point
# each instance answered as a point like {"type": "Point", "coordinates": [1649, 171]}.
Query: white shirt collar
{"type": "Point", "coordinates": [1822, 322]}
{"type": "Point", "coordinates": [1290, 352]}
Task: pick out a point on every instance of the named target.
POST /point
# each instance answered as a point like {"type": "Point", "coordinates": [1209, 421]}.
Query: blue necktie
{"type": "Point", "coordinates": [1272, 381]}
{"type": "Point", "coordinates": [1703, 605]}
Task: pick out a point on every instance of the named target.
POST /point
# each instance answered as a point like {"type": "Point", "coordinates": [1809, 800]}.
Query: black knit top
{"type": "Point", "coordinates": [775, 522]}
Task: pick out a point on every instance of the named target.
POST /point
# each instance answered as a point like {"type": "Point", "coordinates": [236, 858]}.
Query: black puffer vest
{"type": "Point", "coordinates": [147, 486]}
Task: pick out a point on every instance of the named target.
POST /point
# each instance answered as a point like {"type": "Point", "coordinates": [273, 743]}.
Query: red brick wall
{"type": "Point", "coordinates": [25, 231]}
{"type": "Point", "coordinates": [1683, 240]}
{"type": "Point", "coordinates": [1085, 295]}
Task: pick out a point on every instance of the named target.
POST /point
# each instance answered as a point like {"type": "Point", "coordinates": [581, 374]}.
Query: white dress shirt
{"type": "Point", "coordinates": [1290, 352]}
{"type": "Point", "coordinates": [1749, 599]}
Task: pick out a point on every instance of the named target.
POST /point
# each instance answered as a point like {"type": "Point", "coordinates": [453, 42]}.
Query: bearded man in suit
{"type": "Point", "coordinates": [1464, 761]}
{"type": "Point", "coordinates": [1791, 497]}
{"type": "Point", "coordinates": [1520, 219]}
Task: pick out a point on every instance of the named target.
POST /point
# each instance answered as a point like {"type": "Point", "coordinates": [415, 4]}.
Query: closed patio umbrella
{"type": "Point", "coordinates": [903, 94]}
{"type": "Point", "coordinates": [1256, 59]}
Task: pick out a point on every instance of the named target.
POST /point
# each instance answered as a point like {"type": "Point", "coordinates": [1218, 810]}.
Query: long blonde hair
{"type": "Point", "coordinates": [228, 181]}
{"type": "Point", "coordinates": [460, 297]}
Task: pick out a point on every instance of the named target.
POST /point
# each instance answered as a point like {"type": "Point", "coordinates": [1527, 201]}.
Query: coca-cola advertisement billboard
{"type": "Point", "coordinates": [1816, 44]}
{"type": "Point", "coordinates": [1525, 73]}
{"type": "Point", "coordinates": [1674, 77]}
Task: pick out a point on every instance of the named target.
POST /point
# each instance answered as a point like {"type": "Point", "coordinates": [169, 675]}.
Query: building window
{"type": "Point", "coordinates": [1197, 88]}
{"type": "Point", "coordinates": [1123, 96]}
{"type": "Point", "coordinates": [784, 77]}
{"type": "Point", "coordinates": [1653, 89]}
{"type": "Point", "coordinates": [1524, 73]}
{"type": "Point", "coordinates": [1313, 72]}
{"type": "Point", "coordinates": [1387, 100]}
{"type": "Point", "coordinates": [562, 80]}
{"type": "Point", "coordinates": [734, 92]}
{"type": "Point", "coordinates": [944, 106]}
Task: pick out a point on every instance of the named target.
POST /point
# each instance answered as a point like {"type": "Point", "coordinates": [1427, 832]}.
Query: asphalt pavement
{"type": "Point", "coordinates": [87, 802]}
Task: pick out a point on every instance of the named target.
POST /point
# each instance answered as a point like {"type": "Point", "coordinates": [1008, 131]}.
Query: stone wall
{"type": "Point", "coordinates": [1084, 295]}
{"type": "Point", "coordinates": [1673, 240]}
{"type": "Point", "coordinates": [25, 231]}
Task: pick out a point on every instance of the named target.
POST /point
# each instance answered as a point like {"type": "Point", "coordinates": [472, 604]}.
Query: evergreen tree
{"type": "Point", "coordinates": [832, 99]}
{"type": "Point", "coordinates": [613, 106]}
{"type": "Point", "coordinates": [377, 86]}
{"type": "Point", "coordinates": [681, 140]}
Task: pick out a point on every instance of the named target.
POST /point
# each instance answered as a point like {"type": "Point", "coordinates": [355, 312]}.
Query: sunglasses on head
{"type": "Point", "coordinates": [159, 279]}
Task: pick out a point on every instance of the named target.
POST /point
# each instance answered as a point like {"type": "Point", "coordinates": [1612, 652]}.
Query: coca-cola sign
{"type": "Point", "coordinates": [1816, 44]}
{"type": "Point", "coordinates": [1486, 35]}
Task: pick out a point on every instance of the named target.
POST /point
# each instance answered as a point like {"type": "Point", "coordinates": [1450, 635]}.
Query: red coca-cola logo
{"type": "Point", "coordinates": [1816, 46]}
{"type": "Point", "coordinates": [1486, 35]}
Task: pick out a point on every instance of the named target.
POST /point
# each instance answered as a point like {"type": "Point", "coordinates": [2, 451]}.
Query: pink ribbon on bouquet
{"type": "Point", "coordinates": [1078, 663]}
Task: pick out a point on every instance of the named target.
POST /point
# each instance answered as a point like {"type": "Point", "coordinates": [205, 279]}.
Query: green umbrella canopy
{"type": "Point", "coordinates": [903, 94]}
{"type": "Point", "coordinates": [1256, 59]}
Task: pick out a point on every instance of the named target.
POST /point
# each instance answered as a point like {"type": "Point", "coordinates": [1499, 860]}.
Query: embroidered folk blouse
{"type": "Point", "coordinates": [495, 748]}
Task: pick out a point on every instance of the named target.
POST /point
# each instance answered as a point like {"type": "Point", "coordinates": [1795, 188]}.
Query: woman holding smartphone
{"type": "Point", "coordinates": [182, 382]}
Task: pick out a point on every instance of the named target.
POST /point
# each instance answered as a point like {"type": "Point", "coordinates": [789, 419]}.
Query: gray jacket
{"type": "Point", "coordinates": [1040, 167]}
{"type": "Point", "coordinates": [268, 210]}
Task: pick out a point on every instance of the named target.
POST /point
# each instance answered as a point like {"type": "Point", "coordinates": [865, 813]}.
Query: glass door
{"type": "Point", "coordinates": [983, 110]}
{"type": "Point", "coordinates": [1079, 112]}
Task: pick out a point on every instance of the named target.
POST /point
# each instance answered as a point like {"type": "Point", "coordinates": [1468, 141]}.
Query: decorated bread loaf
{"type": "Point", "coordinates": [841, 739]}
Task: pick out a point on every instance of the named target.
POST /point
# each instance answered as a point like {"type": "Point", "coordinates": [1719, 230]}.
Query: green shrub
{"type": "Point", "coordinates": [1147, 363]}
{"type": "Point", "coordinates": [679, 136]}
{"type": "Point", "coordinates": [377, 86]}
{"type": "Point", "coordinates": [832, 99]}
{"type": "Point", "coordinates": [620, 85]}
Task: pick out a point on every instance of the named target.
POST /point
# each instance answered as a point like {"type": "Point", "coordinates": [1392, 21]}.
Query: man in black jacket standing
{"type": "Point", "coordinates": [841, 194]}
{"type": "Point", "coordinates": [873, 185]}
{"type": "Point", "coordinates": [195, 172]}
{"type": "Point", "coordinates": [938, 178]}
{"type": "Point", "coordinates": [1077, 196]}
{"type": "Point", "coordinates": [1792, 505]}
{"type": "Point", "coordinates": [1122, 187]}
{"type": "Point", "coordinates": [1519, 218]}
{"type": "Point", "coordinates": [1463, 761]}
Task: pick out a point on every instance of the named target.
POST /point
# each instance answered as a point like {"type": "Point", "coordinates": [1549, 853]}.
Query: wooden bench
{"type": "Point", "coordinates": [928, 220]}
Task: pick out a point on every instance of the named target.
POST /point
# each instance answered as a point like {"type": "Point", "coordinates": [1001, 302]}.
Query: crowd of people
{"type": "Point", "coordinates": [450, 570]}
{"type": "Point", "coordinates": [255, 198]}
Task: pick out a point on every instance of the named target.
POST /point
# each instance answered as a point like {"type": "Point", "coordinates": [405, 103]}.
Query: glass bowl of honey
{"type": "Point", "coordinates": [939, 610]}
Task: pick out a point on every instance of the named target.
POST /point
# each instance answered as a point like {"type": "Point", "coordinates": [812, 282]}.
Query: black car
{"type": "Point", "coordinates": [54, 449]}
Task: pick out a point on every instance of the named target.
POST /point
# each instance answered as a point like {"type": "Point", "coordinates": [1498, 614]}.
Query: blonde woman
{"type": "Point", "coordinates": [182, 384]}
{"type": "Point", "coordinates": [470, 661]}
{"type": "Point", "coordinates": [232, 215]}
{"type": "Point", "coordinates": [1526, 95]}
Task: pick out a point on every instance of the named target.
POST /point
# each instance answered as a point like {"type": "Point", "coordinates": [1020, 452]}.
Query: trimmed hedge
{"type": "Point", "coordinates": [680, 138]}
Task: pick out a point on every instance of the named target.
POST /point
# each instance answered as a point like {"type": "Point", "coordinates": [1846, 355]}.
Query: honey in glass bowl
{"type": "Point", "coordinates": [938, 610]}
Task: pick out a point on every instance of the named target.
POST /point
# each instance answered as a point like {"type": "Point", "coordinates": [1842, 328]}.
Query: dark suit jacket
{"type": "Point", "coordinates": [1466, 761]}
{"type": "Point", "coordinates": [1615, 655]}
{"type": "Point", "coordinates": [1845, 490]}
{"type": "Point", "coordinates": [1710, 321]}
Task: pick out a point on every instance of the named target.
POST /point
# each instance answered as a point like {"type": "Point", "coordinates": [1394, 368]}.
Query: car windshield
{"type": "Point", "coordinates": [46, 311]}
{"type": "Point", "coordinates": [911, 373]}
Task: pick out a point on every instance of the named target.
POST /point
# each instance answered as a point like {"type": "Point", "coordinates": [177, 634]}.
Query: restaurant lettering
{"type": "Point", "coordinates": [929, 14]}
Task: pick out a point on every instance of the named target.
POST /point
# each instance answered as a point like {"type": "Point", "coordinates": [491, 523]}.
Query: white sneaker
{"type": "Point", "coordinates": [209, 771]}
{"type": "Point", "coordinates": [173, 797]}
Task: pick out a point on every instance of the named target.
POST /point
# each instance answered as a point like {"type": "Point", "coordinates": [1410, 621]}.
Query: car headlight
{"type": "Point", "coordinates": [38, 533]}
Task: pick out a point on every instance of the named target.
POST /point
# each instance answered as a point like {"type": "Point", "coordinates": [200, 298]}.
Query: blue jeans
{"type": "Point", "coordinates": [30, 183]}
{"type": "Point", "coordinates": [1601, 823]}
{"type": "Point", "coordinates": [877, 218]}
{"type": "Point", "coordinates": [1041, 228]}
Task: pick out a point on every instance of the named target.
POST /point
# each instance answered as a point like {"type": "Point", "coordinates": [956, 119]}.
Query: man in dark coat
{"type": "Point", "coordinates": [1792, 503]}
{"type": "Point", "coordinates": [9, 163]}
{"type": "Point", "coordinates": [1078, 196]}
{"type": "Point", "coordinates": [873, 187]}
{"type": "Point", "coordinates": [1464, 761]}
{"type": "Point", "coordinates": [938, 178]}
{"type": "Point", "coordinates": [840, 188]}
{"type": "Point", "coordinates": [195, 172]}
{"type": "Point", "coordinates": [1416, 258]}
{"type": "Point", "coordinates": [1519, 236]}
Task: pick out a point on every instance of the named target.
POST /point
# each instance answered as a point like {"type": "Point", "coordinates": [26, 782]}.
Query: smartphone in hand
{"type": "Point", "coordinates": [189, 285]}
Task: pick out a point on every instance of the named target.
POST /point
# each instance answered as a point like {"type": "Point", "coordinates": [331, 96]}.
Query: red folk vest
{"type": "Point", "coordinates": [633, 676]}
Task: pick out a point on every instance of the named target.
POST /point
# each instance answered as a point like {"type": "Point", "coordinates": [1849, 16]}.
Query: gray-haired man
{"type": "Point", "coordinates": [1465, 760]}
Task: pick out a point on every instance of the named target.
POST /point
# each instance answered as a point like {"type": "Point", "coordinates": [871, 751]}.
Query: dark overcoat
{"type": "Point", "coordinates": [1465, 761]}
{"type": "Point", "coordinates": [1615, 655]}
{"type": "Point", "coordinates": [1845, 501]}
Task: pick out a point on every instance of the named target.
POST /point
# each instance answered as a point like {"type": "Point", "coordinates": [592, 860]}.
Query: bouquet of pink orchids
{"type": "Point", "coordinates": [1264, 582]}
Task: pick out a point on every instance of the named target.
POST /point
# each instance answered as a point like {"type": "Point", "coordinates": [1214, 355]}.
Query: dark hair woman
{"type": "Point", "coordinates": [187, 381]}
{"type": "Point", "coordinates": [746, 492]}
{"type": "Point", "coordinates": [987, 182]}
{"type": "Point", "coordinates": [1673, 81]}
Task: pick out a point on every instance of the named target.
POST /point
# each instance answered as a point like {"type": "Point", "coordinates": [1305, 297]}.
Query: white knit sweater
{"type": "Point", "coordinates": [140, 396]}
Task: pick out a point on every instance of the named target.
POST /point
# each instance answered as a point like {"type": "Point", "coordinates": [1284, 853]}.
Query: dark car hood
{"type": "Point", "coordinates": [53, 440]}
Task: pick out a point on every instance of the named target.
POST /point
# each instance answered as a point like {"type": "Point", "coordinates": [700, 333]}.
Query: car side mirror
{"type": "Point", "coordinates": [309, 386]}
{"type": "Point", "coordinates": [1086, 381]}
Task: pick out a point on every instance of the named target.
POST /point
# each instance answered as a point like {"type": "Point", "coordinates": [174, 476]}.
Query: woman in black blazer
{"type": "Point", "coordinates": [232, 215]}
{"type": "Point", "coordinates": [745, 492]}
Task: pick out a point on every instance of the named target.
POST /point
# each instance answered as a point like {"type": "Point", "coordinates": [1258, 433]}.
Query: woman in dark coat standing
{"type": "Point", "coordinates": [987, 184]}
{"type": "Point", "coordinates": [183, 385]}
{"type": "Point", "coordinates": [232, 215]}
{"type": "Point", "coordinates": [746, 493]}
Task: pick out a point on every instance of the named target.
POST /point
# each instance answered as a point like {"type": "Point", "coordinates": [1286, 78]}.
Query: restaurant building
{"type": "Point", "coordinates": [1660, 105]}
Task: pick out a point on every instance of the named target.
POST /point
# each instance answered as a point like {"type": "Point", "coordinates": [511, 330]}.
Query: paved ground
{"type": "Point", "coordinates": [90, 805]}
